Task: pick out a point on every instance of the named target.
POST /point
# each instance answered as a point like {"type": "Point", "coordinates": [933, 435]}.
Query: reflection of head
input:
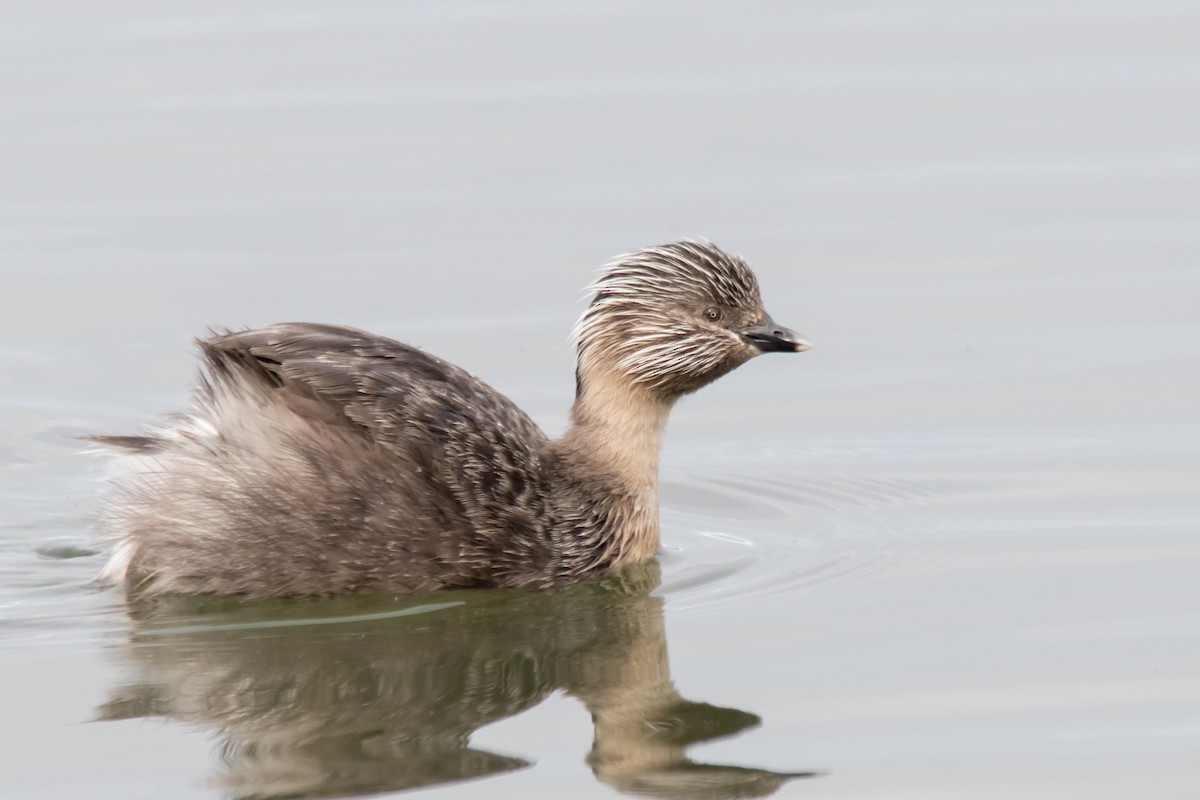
{"type": "Point", "coordinates": [707, 782]}
{"type": "Point", "coordinates": [642, 752]}
{"type": "Point", "coordinates": [366, 694]}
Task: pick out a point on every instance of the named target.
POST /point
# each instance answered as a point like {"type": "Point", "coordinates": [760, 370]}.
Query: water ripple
{"type": "Point", "coordinates": [735, 539]}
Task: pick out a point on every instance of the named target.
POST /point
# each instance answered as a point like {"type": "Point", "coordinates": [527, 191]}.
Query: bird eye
{"type": "Point", "coordinates": [712, 313]}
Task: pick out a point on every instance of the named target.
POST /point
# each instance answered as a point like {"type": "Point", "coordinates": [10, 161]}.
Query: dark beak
{"type": "Point", "coordinates": [773, 338]}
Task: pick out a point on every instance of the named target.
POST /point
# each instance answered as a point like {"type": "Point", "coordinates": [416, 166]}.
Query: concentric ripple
{"type": "Point", "coordinates": [754, 528]}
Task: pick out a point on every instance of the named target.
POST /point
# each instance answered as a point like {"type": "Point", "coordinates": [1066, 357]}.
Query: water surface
{"type": "Point", "coordinates": [951, 552]}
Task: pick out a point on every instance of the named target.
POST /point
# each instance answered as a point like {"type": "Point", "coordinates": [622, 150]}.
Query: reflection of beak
{"type": "Point", "coordinates": [770, 337]}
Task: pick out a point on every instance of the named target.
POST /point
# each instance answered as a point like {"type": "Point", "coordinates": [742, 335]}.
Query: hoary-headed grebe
{"type": "Point", "coordinates": [319, 459]}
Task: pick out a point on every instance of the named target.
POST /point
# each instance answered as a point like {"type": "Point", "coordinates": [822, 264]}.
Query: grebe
{"type": "Point", "coordinates": [319, 459]}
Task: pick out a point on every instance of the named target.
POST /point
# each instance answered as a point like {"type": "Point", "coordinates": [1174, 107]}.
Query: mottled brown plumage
{"type": "Point", "coordinates": [320, 459]}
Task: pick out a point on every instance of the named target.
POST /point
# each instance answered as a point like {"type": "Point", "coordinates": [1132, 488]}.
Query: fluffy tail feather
{"type": "Point", "coordinates": [134, 444]}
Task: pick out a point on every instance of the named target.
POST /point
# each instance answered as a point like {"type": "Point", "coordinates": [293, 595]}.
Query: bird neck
{"type": "Point", "coordinates": [620, 426]}
{"type": "Point", "coordinates": [616, 428]}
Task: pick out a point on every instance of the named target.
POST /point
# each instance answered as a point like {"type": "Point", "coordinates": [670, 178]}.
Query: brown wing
{"type": "Point", "coordinates": [379, 384]}
{"type": "Point", "coordinates": [324, 459]}
{"type": "Point", "coordinates": [460, 434]}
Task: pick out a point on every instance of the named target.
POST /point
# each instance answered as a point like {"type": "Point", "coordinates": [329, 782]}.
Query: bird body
{"type": "Point", "coordinates": [320, 459]}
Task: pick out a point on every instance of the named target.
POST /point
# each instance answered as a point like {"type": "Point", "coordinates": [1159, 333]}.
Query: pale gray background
{"type": "Point", "coordinates": [964, 529]}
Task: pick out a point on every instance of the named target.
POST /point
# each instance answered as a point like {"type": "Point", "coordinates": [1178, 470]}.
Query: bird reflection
{"type": "Point", "coordinates": [336, 697]}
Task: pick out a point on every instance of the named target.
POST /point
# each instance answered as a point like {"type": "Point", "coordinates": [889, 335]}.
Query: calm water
{"type": "Point", "coordinates": [952, 552]}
